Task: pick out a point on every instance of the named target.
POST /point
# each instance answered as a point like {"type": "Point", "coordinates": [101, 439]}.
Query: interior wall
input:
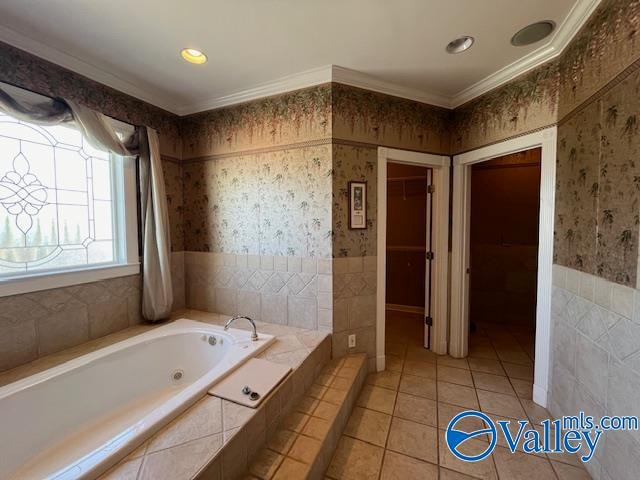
{"type": "Point", "coordinates": [45, 322]}
{"type": "Point", "coordinates": [591, 92]}
{"type": "Point", "coordinates": [505, 207]}
{"type": "Point", "coordinates": [257, 196]}
{"type": "Point", "coordinates": [406, 234]}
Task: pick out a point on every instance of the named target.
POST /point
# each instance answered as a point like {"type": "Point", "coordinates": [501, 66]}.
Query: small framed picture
{"type": "Point", "coordinates": [357, 205]}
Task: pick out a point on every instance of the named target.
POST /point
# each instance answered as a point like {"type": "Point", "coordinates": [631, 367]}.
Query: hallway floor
{"type": "Point", "coordinates": [396, 430]}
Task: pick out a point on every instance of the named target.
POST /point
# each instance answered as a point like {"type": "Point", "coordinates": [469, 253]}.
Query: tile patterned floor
{"type": "Point", "coordinates": [397, 429]}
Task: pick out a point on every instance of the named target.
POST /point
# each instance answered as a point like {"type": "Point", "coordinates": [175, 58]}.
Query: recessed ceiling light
{"type": "Point", "coordinates": [460, 44]}
{"type": "Point", "coordinates": [533, 33]}
{"type": "Point", "coordinates": [192, 55]}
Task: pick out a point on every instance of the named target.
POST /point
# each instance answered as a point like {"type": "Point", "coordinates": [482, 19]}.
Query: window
{"type": "Point", "coordinates": [63, 203]}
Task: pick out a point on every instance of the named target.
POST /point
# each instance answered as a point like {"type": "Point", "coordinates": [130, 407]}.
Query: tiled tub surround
{"type": "Point", "coordinates": [216, 438]}
{"type": "Point", "coordinates": [41, 323]}
{"type": "Point", "coordinates": [94, 410]}
{"type": "Point", "coordinates": [595, 367]}
{"type": "Point", "coordinates": [212, 427]}
{"type": "Point", "coordinates": [303, 445]}
{"type": "Point", "coordinates": [292, 291]}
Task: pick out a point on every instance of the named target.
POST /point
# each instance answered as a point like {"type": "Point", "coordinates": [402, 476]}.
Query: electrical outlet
{"type": "Point", "coordinates": [352, 340]}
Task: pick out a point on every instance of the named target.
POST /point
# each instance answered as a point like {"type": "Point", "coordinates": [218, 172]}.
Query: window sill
{"type": "Point", "coordinates": [47, 281]}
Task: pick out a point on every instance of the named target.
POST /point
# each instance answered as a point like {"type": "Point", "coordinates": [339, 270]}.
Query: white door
{"type": "Point", "coordinates": [428, 315]}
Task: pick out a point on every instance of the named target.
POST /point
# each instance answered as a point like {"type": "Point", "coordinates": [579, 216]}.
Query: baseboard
{"type": "Point", "coordinates": [404, 308]}
{"type": "Point", "coordinates": [380, 363]}
{"type": "Point", "coordinates": [539, 395]}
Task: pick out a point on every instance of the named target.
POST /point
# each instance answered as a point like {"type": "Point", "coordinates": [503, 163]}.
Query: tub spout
{"type": "Point", "coordinates": [254, 335]}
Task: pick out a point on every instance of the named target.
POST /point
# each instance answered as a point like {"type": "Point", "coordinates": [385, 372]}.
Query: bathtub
{"type": "Point", "coordinates": [79, 418]}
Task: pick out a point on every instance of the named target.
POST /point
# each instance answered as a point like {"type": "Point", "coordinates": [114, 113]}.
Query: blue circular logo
{"type": "Point", "coordinates": [455, 438]}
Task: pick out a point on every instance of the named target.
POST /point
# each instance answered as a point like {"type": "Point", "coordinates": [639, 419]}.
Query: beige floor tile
{"type": "Point", "coordinates": [420, 354]}
{"type": "Point", "coordinates": [447, 411]}
{"type": "Point", "coordinates": [446, 474]}
{"type": "Point", "coordinates": [317, 428]}
{"type": "Point", "coordinates": [458, 376]}
{"type": "Point", "coordinates": [570, 472]}
{"type": "Point", "coordinates": [413, 439]}
{"type": "Point", "coordinates": [420, 369]}
{"type": "Point", "coordinates": [483, 469]}
{"type": "Point", "coordinates": [295, 421]}
{"type": "Point", "coordinates": [316, 391]}
{"type": "Point", "coordinates": [522, 372]}
{"type": "Point", "coordinates": [265, 463]}
{"type": "Point", "coordinates": [520, 466]}
{"type": "Point", "coordinates": [535, 412]}
{"type": "Point", "coordinates": [385, 379]}
{"type": "Point", "coordinates": [326, 410]}
{"type": "Point", "coordinates": [523, 388]}
{"type": "Point", "coordinates": [333, 395]}
{"type": "Point", "coordinates": [355, 460]}
{"type": "Point", "coordinates": [398, 349]}
{"type": "Point", "coordinates": [324, 379]}
{"type": "Point", "coordinates": [493, 383]}
{"type": "Point", "coordinates": [486, 365]}
{"type": "Point", "coordinates": [307, 405]}
{"type": "Point", "coordinates": [417, 409]}
{"type": "Point", "coordinates": [400, 467]}
{"type": "Point", "coordinates": [394, 363]}
{"type": "Point", "coordinates": [514, 355]}
{"type": "Point", "coordinates": [347, 372]}
{"type": "Point", "coordinates": [340, 383]}
{"type": "Point", "coordinates": [281, 441]}
{"type": "Point", "coordinates": [482, 351]}
{"type": "Point", "coordinates": [501, 404]}
{"type": "Point", "coordinates": [305, 449]}
{"type": "Point", "coordinates": [419, 386]}
{"type": "Point", "coordinates": [452, 362]}
{"type": "Point", "coordinates": [368, 425]}
{"type": "Point", "coordinates": [457, 395]}
{"type": "Point", "coordinates": [290, 468]}
{"type": "Point", "coordinates": [377, 398]}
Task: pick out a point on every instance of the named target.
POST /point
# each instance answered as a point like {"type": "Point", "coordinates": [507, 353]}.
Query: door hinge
{"type": "Point", "coordinates": [430, 256]}
{"type": "Point", "coordinates": [431, 188]}
{"type": "Point", "coordinates": [428, 321]}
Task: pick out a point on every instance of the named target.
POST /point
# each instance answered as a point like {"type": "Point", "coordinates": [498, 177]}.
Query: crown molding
{"type": "Point", "coordinates": [362, 80]}
{"type": "Point", "coordinates": [573, 22]}
{"type": "Point", "coordinates": [296, 81]}
{"type": "Point", "coordinates": [576, 18]}
{"type": "Point", "coordinates": [63, 59]}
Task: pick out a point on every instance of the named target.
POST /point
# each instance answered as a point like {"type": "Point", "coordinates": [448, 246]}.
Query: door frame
{"type": "Point", "coordinates": [459, 322]}
{"type": "Point", "coordinates": [440, 165]}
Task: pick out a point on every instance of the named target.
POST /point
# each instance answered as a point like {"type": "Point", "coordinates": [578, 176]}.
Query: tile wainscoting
{"type": "Point", "coordinates": [294, 291]}
{"type": "Point", "coordinates": [36, 324]}
{"type": "Point", "coordinates": [354, 306]}
{"type": "Point", "coordinates": [595, 344]}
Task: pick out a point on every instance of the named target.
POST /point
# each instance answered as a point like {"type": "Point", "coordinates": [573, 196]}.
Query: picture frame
{"type": "Point", "coordinates": [357, 205]}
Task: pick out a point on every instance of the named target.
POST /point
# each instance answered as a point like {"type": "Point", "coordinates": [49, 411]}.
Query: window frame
{"type": "Point", "coordinates": [126, 257]}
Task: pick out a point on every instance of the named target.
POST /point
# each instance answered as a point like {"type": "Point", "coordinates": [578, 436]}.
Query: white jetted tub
{"type": "Point", "coordinates": [79, 418]}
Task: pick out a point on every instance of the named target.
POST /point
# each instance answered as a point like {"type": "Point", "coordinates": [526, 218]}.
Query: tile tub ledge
{"type": "Point", "coordinates": [213, 438]}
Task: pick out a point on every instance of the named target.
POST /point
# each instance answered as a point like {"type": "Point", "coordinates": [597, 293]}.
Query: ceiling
{"type": "Point", "coordinates": [261, 47]}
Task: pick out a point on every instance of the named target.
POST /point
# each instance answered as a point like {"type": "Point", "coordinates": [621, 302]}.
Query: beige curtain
{"type": "Point", "coordinates": [157, 293]}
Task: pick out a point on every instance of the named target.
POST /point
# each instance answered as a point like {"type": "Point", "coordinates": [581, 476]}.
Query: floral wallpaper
{"type": "Point", "coordinates": [294, 117]}
{"type": "Point", "coordinates": [22, 69]}
{"type": "Point", "coordinates": [173, 182]}
{"type": "Point", "coordinates": [598, 186]}
{"type": "Point", "coordinates": [272, 203]}
{"type": "Point", "coordinates": [374, 118]}
{"type": "Point", "coordinates": [352, 163]}
{"type": "Point", "coordinates": [607, 44]}
{"type": "Point", "coordinates": [527, 103]}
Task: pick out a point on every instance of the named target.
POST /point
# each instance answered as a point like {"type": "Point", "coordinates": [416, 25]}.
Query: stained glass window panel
{"type": "Point", "coordinates": [56, 200]}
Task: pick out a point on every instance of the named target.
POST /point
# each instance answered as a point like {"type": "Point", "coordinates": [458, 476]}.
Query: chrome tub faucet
{"type": "Point", "coordinates": [254, 335]}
